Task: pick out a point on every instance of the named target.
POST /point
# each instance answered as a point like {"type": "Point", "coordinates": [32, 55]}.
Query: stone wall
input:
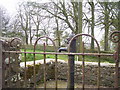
{"type": "Point", "coordinates": [107, 72]}
{"type": "Point", "coordinates": [11, 62]}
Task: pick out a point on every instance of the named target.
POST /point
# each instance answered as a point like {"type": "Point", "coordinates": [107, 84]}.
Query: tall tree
{"type": "Point", "coordinates": [36, 18]}
{"type": "Point", "coordinates": [57, 32]}
{"type": "Point", "coordinates": [92, 23]}
{"type": "Point", "coordinates": [24, 14]}
{"type": "Point", "coordinates": [5, 22]}
{"type": "Point", "coordinates": [79, 25]}
{"type": "Point", "coordinates": [24, 20]}
{"type": "Point", "coordinates": [106, 21]}
{"type": "Point", "coordinates": [0, 22]}
{"type": "Point", "coordinates": [69, 12]}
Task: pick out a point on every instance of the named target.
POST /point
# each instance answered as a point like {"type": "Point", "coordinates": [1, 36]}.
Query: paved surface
{"type": "Point", "coordinates": [22, 64]}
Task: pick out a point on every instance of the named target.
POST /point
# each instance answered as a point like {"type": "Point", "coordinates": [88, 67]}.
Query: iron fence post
{"type": "Point", "coordinates": [2, 76]}
{"type": "Point", "coordinates": [118, 65]}
{"type": "Point", "coordinates": [115, 37]}
{"type": "Point", "coordinates": [117, 57]}
{"type": "Point", "coordinates": [117, 62]}
{"type": "Point", "coordinates": [0, 65]}
{"type": "Point", "coordinates": [71, 58]}
{"type": "Point", "coordinates": [119, 45]}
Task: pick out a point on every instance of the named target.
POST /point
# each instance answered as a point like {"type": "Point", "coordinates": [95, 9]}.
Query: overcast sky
{"type": "Point", "coordinates": [11, 6]}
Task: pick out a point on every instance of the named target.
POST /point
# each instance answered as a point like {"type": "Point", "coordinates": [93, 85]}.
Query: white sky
{"type": "Point", "coordinates": [11, 6]}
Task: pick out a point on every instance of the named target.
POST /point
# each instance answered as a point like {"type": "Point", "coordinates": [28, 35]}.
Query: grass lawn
{"type": "Point", "coordinates": [29, 57]}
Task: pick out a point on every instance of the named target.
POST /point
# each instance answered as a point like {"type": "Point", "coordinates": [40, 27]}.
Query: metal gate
{"type": "Point", "coordinates": [71, 57]}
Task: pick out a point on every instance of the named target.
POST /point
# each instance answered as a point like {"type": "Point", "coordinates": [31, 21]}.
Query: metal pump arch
{"type": "Point", "coordinates": [45, 61]}
{"type": "Point", "coordinates": [98, 75]}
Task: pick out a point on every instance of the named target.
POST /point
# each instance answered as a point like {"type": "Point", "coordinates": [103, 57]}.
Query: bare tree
{"type": "Point", "coordinates": [92, 23]}
{"type": "Point", "coordinates": [106, 20]}
{"type": "Point", "coordinates": [4, 22]}
{"type": "Point", "coordinates": [68, 12]}
{"type": "Point", "coordinates": [25, 21]}
{"type": "Point", "coordinates": [36, 17]}
{"type": "Point", "coordinates": [0, 22]}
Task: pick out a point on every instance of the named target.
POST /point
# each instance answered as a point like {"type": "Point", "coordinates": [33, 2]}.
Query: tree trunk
{"type": "Point", "coordinates": [79, 44]}
{"type": "Point", "coordinates": [57, 29]}
{"type": "Point", "coordinates": [26, 38]}
{"type": "Point", "coordinates": [0, 22]}
{"type": "Point", "coordinates": [106, 23]}
{"type": "Point", "coordinates": [30, 30]}
{"type": "Point", "coordinates": [92, 25]}
{"type": "Point", "coordinates": [30, 37]}
{"type": "Point", "coordinates": [37, 28]}
{"type": "Point", "coordinates": [57, 33]}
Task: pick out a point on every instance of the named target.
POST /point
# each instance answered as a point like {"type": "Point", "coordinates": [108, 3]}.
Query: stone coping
{"type": "Point", "coordinates": [22, 64]}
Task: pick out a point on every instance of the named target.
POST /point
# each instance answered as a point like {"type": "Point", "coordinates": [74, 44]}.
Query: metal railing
{"type": "Point", "coordinates": [70, 63]}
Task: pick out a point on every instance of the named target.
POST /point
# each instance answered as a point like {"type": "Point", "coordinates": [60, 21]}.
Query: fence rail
{"type": "Point", "coordinates": [54, 53]}
{"type": "Point", "coordinates": [71, 60]}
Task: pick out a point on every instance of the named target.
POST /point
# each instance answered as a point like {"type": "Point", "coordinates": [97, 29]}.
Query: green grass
{"type": "Point", "coordinates": [102, 59]}
{"type": "Point", "coordinates": [29, 57]}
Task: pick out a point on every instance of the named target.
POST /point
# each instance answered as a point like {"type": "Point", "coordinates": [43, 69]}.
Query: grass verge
{"type": "Point", "coordinates": [29, 57]}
